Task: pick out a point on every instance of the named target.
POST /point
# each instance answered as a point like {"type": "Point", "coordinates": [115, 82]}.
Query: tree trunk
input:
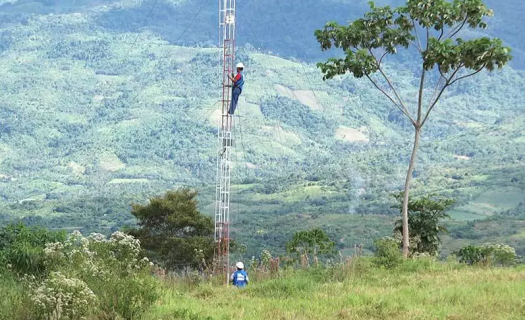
{"type": "Point", "coordinates": [406, 243]}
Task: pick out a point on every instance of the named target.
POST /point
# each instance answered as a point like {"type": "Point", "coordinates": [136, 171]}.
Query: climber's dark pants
{"type": "Point", "coordinates": [235, 99]}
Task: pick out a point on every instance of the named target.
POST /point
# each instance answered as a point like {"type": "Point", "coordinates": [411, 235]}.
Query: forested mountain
{"type": "Point", "coordinates": [108, 102]}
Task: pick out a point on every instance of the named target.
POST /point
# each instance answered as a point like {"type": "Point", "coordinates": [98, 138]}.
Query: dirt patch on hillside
{"type": "Point", "coordinates": [459, 157]}
{"type": "Point", "coordinates": [98, 98]}
{"type": "Point", "coordinates": [352, 135]}
{"type": "Point", "coordinates": [76, 168]}
{"type": "Point", "coordinates": [282, 136]}
{"type": "Point", "coordinates": [287, 92]}
{"type": "Point", "coordinates": [123, 181]}
{"type": "Point", "coordinates": [306, 97]}
{"type": "Point", "coordinates": [4, 152]}
{"type": "Point", "coordinates": [110, 162]}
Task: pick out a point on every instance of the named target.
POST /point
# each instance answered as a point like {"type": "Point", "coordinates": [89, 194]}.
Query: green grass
{"type": "Point", "coordinates": [416, 290]}
{"type": "Point", "coordinates": [13, 304]}
{"type": "Point", "coordinates": [503, 198]}
{"type": "Point", "coordinates": [489, 203]}
{"type": "Point", "coordinates": [465, 215]}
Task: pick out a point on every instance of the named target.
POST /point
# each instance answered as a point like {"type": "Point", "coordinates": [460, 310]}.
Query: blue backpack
{"type": "Point", "coordinates": [240, 278]}
{"type": "Point", "coordinates": [239, 84]}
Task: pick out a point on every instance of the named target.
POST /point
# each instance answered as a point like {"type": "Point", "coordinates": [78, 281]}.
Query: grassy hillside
{"type": "Point", "coordinates": [417, 290]}
{"type": "Point", "coordinates": [97, 278]}
{"type": "Point", "coordinates": [105, 104]}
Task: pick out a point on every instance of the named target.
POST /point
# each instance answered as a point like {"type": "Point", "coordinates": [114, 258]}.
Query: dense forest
{"type": "Point", "coordinates": [105, 103]}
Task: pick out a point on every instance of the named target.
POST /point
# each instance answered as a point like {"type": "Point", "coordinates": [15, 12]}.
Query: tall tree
{"type": "Point", "coordinates": [173, 231]}
{"type": "Point", "coordinates": [429, 28]}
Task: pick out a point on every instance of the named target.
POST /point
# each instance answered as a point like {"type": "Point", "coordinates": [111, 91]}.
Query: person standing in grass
{"type": "Point", "coordinates": [240, 277]}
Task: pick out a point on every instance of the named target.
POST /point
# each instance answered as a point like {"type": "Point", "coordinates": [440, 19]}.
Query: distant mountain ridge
{"type": "Point", "coordinates": [283, 27]}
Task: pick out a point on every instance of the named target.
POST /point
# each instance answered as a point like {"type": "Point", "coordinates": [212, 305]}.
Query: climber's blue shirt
{"type": "Point", "coordinates": [240, 278]}
{"type": "Point", "coordinates": [238, 81]}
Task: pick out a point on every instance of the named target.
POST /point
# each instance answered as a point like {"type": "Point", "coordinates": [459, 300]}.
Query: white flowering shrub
{"type": "Point", "coordinates": [499, 254]}
{"type": "Point", "coordinates": [98, 256]}
{"type": "Point", "coordinates": [112, 268]}
{"type": "Point", "coordinates": [253, 264]}
{"type": "Point", "coordinates": [488, 254]}
{"type": "Point", "coordinates": [59, 297]}
{"type": "Point", "coordinates": [266, 258]}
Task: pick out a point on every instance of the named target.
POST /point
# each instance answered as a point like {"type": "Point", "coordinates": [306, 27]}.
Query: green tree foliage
{"type": "Point", "coordinates": [425, 222]}
{"type": "Point", "coordinates": [429, 28]}
{"type": "Point", "coordinates": [310, 243]}
{"type": "Point", "coordinates": [22, 248]}
{"type": "Point", "coordinates": [172, 230]}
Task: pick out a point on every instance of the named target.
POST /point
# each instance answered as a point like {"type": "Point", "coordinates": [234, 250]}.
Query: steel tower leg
{"type": "Point", "coordinates": [225, 139]}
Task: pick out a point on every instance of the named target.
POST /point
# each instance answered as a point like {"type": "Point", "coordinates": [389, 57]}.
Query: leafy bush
{"type": "Point", "coordinates": [488, 255]}
{"type": "Point", "coordinates": [387, 252]}
{"type": "Point", "coordinates": [470, 255]}
{"type": "Point", "coordinates": [425, 221]}
{"type": "Point", "coordinates": [22, 248]}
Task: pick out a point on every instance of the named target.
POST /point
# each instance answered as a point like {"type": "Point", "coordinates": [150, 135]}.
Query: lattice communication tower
{"type": "Point", "coordinates": [225, 139]}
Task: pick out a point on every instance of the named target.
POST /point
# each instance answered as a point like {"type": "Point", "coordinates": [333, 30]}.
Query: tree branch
{"type": "Point", "coordinates": [442, 77]}
{"type": "Point", "coordinates": [410, 42]}
{"type": "Point", "coordinates": [457, 29]}
{"type": "Point", "coordinates": [381, 59]}
{"type": "Point", "coordinates": [441, 72]}
{"type": "Point", "coordinates": [442, 33]}
{"type": "Point", "coordinates": [420, 97]}
{"type": "Point", "coordinates": [428, 37]}
{"type": "Point", "coordinates": [383, 91]}
{"type": "Point", "coordinates": [395, 93]}
{"type": "Point", "coordinates": [401, 104]}
{"type": "Point", "coordinates": [437, 87]}
{"type": "Point", "coordinates": [468, 75]}
{"type": "Point", "coordinates": [417, 35]}
{"type": "Point", "coordinates": [445, 86]}
{"type": "Point", "coordinates": [390, 98]}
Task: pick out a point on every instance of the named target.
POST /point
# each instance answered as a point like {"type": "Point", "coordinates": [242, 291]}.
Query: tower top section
{"type": "Point", "coordinates": [226, 20]}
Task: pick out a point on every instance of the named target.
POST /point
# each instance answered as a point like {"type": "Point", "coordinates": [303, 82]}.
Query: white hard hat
{"type": "Point", "coordinates": [240, 265]}
{"type": "Point", "coordinates": [240, 65]}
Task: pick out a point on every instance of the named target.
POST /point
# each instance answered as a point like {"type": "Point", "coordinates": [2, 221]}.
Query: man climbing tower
{"type": "Point", "coordinates": [238, 83]}
{"type": "Point", "coordinates": [239, 278]}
